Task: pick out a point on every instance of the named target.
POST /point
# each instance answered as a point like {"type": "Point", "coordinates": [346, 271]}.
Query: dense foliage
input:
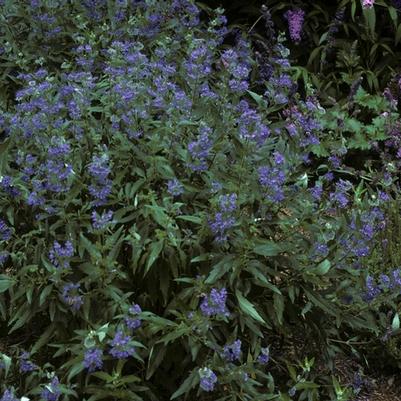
{"type": "Point", "coordinates": [179, 218]}
{"type": "Point", "coordinates": [333, 44]}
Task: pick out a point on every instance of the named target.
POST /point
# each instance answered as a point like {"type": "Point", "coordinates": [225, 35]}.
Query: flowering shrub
{"type": "Point", "coordinates": [162, 224]}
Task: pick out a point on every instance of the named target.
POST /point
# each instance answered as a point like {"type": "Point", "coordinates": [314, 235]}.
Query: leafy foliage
{"type": "Point", "coordinates": [167, 226]}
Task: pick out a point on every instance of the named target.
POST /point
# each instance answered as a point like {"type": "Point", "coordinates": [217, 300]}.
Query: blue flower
{"type": "Point", "coordinates": [59, 254]}
{"type": "Point", "coordinates": [8, 395]}
{"type": "Point", "coordinates": [70, 297]}
{"type": "Point", "coordinates": [208, 379]}
{"type": "Point", "coordinates": [215, 303]}
{"type": "Point", "coordinates": [223, 219]}
{"type": "Point", "coordinates": [5, 231]}
{"type": "Point", "coordinates": [174, 187]}
{"type": "Point", "coordinates": [93, 359]}
{"type": "Point", "coordinates": [130, 321]}
{"type": "Point", "coordinates": [200, 149]}
{"type": "Point", "coordinates": [100, 222]}
{"type": "Point", "coordinates": [264, 356]}
{"type": "Point", "coordinates": [120, 346]}
{"type": "Point", "coordinates": [52, 391]}
{"type": "Point", "coordinates": [25, 364]}
{"type": "Point", "coordinates": [232, 352]}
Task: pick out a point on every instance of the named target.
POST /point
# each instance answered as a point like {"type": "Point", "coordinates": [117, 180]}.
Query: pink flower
{"type": "Point", "coordinates": [368, 3]}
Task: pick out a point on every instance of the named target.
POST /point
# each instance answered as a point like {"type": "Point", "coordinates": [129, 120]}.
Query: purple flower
{"type": "Point", "coordinates": [130, 321]}
{"type": "Point", "coordinates": [52, 391]}
{"type": "Point", "coordinates": [272, 179]}
{"type": "Point", "coordinates": [3, 257]}
{"type": "Point", "coordinates": [264, 356]}
{"type": "Point", "coordinates": [99, 169]}
{"type": "Point", "coordinates": [223, 219]}
{"type": "Point", "coordinates": [208, 379]}
{"type": "Point", "coordinates": [59, 147]}
{"type": "Point", "coordinates": [8, 395]}
{"type": "Point", "coordinates": [340, 195]}
{"type": "Point", "coordinates": [5, 231]}
{"type": "Point", "coordinates": [100, 222]}
{"type": "Point", "coordinates": [295, 20]}
{"type": "Point", "coordinates": [120, 346]}
{"type": "Point", "coordinates": [317, 191]}
{"type": "Point", "coordinates": [199, 63]}
{"type": "Point", "coordinates": [93, 359]}
{"type": "Point", "coordinates": [320, 250]}
{"type": "Point", "coordinates": [232, 352]}
{"type": "Point", "coordinates": [174, 187]}
{"type": "Point", "coordinates": [25, 364]}
{"type": "Point", "coordinates": [250, 124]}
{"type": "Point", "coordinates": [70, 296]}
{"type": "Point", "coordinates": [385, 281]}
{"type": "Point", "coordinates": [396, 279]}
{"type": "Point", "coordinates": [215, 303]}
{"type": "Point", "coordinates": [372, 290]}
{"type": "Point", "coordinates": [6, 183]}
{"type": "Point", "coordinates": [199, 150]}
{"type": "Point", "coordinates": [59, 255]}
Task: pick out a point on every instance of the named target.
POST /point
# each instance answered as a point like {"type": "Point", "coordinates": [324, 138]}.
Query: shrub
{"type": "Point", "coordinates": [163, 227]}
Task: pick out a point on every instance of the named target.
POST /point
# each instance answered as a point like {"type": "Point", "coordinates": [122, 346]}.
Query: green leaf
{"type": "Point", "coordinates": [155, 250]}
{"type": "Point", "coordinates": [5, 283]}
{"type": "Point", "coordinates": [190, 382]}
{"type": "Point", "coordinates": [76, 369]}
{"type": "Point", "coordinates": [395, 325]}
{"type": "Point", "coordinates": [45, 293]}
{"type": "Point", "coordinates": [220, 269]}
{"type": "Point", "coordinates": [43, 339]}
{"type": "Point", "coordinates": [7, 362]}
{"type": "Point", "coordinates": [393, 15]}
{"type": "Point", "coordinates": [192, 219]}
{"type": "Point", "coordinates": [159, 215]}
{"type": "Point", "coordinates": [279, 307]}
{"type": "Point", "coordinates": [248, 308]}
{"type": "Point", "coordinates": [267, 248]}
{"type": "Point", "coordinates": [322, 268]}
{"type": "Point", "coordinates": [370, 18]}
{"type": "Point", "coordinates": [91, 248]}
{"type": "Point", "coordinates": [155, 358]}
{"type": "Point", "coordinates": [257, 98]}
{"type": "Point", "coordinates": [178, 332]}
{"type": "Point", "coordinates": [261, 279]}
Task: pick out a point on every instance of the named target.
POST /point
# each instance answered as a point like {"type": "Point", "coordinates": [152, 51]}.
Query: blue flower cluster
{"type": "Point", "coordinates": [120, 346]}
{"type": "Point", "coordinates": [101, 187]}
{"type": "Point", "coordinates": [264, 356]}
{"type": "Point", "coordinates": [215, 303]}
{"type": "Point", "coordinates": [101, 221]}
{"type": "Point", "coordinates": [93, 359]}
{"type": "Point", "coordinates": [224, 219]}
{"type": "Point", "coordinates": [25, 364]}
{"type": "Point", "coordinates": [232, 352]}
{"type": "Point", "coordinates": [70, 296]}
{"type": "Point", "coordinates": [208, 379]}
{"type": "Point", "coordinates": [5, 231]}
{"type": "Point", "coordinates": [131, 321]}
{"type": "Point", "coordinates": [8, 395]}
{"type": "Point", "coordinates": [52, 391]}
{"type": "Point", "coordinates": [59, 255]}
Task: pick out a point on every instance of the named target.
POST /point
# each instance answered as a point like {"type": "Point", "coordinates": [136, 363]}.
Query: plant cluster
{"type": "Point", "coordinates": [167, 231]}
